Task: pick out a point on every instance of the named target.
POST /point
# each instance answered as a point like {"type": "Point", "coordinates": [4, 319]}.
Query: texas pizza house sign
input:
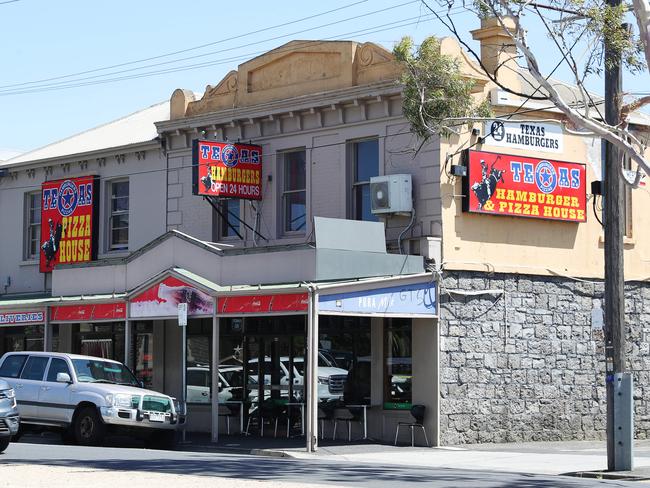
{"type": "Point", "coordinates": [69, 213]}
{"type": "Point", "coordinates": [501, 184]}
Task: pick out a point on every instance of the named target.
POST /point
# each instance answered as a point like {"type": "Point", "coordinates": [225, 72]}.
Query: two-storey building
{"type": "Point", "coordinates": [479, 302]}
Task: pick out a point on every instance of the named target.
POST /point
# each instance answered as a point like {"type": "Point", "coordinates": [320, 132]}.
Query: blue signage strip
{"type": "Point", "coordinates": [414, 299]}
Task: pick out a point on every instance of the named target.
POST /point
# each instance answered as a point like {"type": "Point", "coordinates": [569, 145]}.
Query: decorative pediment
{"type": "Point", "coordinates": [295, 69]}
{"type": "Point", "coordinates": [216, 97]}
{"type": "Point", "coordinates": [283, 72]}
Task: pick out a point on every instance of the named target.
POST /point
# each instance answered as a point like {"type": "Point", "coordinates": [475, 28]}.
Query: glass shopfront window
{"type": "Point", "coordinates": [199, 360]}
{"type": "Point", "coordinates": [143, 357]}
{"type": "Point", "coordinates": [102, 340]}
{"type": "Point", "coordinates": [22, 338]}
{"type": "Point", "coordinates": [344, 359]}
{"type": "Point", "coordinates": [398, 363]}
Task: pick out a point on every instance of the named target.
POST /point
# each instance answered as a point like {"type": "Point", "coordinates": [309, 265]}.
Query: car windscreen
{"type": "Point", "coordinates": [98, 371]}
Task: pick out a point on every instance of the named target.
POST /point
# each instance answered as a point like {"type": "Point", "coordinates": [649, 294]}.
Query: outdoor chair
{"type": "Point", "coordinates": [347, 415]}
{"type": "Point", "coordinates": [325, 412]}
{"type": "Point", "coordinates": [228, 412]}
{"type": "Point", "coordinates": [417, 412]}
{"type": "Point", "coordinates": [293, 415]}
{"type": "Point", "coordinates": [269, 413]}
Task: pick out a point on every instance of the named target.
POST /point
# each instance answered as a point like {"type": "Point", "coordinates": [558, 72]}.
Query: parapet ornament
{"type": "Point", "coordinates": [216, 97]}
{"type": "Point", "coordinates": [371, 53]}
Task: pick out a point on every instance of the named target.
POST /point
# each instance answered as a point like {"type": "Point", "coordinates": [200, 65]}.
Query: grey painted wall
{"type": "Point", "coordinates": [146, 199]}
{"type": "Point", "coordinates": [325, 140]}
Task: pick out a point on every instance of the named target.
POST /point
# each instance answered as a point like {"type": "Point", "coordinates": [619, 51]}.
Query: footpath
{"type": "Point", "coordinates": [575, 458]}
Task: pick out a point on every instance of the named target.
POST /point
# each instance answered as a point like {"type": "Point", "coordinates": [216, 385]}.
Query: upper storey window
{"type": "Point", "coordinates": [118, 227]}
{"type": "Point", "coordinates": [364, 159]}
{"type": "Point", "coordinates": [294, 191]}
{"type": "Point", "coordinates": [32, 225]}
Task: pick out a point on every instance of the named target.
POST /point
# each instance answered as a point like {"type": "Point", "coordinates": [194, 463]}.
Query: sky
{"type": "Point", "coordinates": [54, 39]}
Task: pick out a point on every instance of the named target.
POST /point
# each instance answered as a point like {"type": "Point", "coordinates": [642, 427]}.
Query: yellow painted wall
{"type": "Point", "coordinates": [534, 246]}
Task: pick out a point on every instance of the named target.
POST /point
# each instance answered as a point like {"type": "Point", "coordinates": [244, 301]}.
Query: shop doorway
{"type": "Point", "coordinates": [274, 370]}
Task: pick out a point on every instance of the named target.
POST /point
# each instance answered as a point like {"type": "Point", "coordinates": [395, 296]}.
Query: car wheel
{"type": "Point", "coordinates": [88, 427]}
{"type": "Point", "coordinates": [4, 443]}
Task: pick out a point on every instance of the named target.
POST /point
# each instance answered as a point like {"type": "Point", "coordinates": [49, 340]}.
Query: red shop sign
{"type": "Point", "coordinates": [88, 313]}
{"type": "Point", "coordinates": [69, 216]}
{"type": "Point", "coordinates": [502, 184]}
{"type": "Point", "coordinates": [237, 305]}
{"type": "Point", "coordinates": [222, 169]}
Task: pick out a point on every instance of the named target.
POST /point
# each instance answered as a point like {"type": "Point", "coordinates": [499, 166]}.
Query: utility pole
{"type": "Point", "coordinates": [620, 430]}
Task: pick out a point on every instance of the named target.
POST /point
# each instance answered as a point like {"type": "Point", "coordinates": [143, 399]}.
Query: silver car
{"type": "Point", "coordinates": [9, 419]}
{"type": "Point", "coordinates": [86, 396]}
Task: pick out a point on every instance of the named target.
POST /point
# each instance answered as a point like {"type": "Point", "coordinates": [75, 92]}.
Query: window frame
{"type": "Point", "coordinates": [111, 214]}
{"type": "Point", "coordinates": [223, 220]}
{"type": "Point", "coordinates": [22, 366]}
{"type": "Point", "coordinates": [283, 193]}
{"type": "Point", "coordinates": [32, 228]}
{"type": "Point", "coordinates": [391, 324]}
{"type": "Point", "coordinates": [49, 367]}
{"type": "Point", "coordinates": [354, 185]}
{"type": "Point", "coordinates": [199, 328]}
{"type": "Point", "coordinates": [35, 358]}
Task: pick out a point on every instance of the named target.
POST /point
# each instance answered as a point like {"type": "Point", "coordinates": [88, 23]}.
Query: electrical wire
{"type": "Point", "coordinates": [16, 90]}
{"type": "Point", "coordinates": [264, 157]}
{"type": "Point", "coordinates": [181, 51]}
{"type": "Point", "coordinates": [72, 84]}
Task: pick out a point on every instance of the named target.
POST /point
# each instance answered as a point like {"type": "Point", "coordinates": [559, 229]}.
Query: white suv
{"type": "Point", "coordinates": [86, 395]}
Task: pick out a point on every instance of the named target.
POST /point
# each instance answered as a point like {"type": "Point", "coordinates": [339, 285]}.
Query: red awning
{"type": "Point", "coordinates": [88, 313]}
{"type": "Point", "coordinates": [257, 304]}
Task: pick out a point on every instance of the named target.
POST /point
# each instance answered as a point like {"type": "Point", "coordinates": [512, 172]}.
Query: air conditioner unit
{"type": "Point", "coordinates": [391, 194]}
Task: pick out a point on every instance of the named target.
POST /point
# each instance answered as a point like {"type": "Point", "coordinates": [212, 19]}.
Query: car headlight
{"type": "Point", "coordinates": [11, 395]}
{"type": "Point", "coordinates": [118, 400]}
{"type": "Point", "coordinates": [323, 380]}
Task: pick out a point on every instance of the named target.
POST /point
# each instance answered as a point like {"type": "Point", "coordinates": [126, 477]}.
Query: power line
{"type": "Point", "coordinates": [264, 157]}
{"type": "Point", "coordinates": [181, 51]}
{"type": "Point", "coordinates": [204, 54]}
{"type": "Point", "coordinates": [79, 83]}
{"type": "Point", "coordinates": [348, 19]}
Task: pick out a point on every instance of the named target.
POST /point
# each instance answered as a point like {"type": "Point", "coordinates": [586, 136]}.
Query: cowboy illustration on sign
{"type": "Point", "coordinates": [488, 184]}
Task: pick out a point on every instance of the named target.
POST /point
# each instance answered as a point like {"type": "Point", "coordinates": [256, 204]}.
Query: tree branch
{"type": "Point", "coordinates": [603, 130]}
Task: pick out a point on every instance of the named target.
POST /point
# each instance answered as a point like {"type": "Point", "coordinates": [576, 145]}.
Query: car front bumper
{"type": "Point", "coordinates": [9, 425]}
{"type": "Point", "coordinates": [133, 417]}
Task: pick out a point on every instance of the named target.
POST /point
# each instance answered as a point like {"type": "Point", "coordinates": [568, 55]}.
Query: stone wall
{"type": "Point", "coordinates": [525, 365]}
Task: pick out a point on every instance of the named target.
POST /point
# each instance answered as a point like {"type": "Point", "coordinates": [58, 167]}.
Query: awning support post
{"type": "Point", "coordinates": [47, 330]}
{"type": "Point", "coordinates": [128, 343]}
{"type": "Point", "coordinates": [215, 373]}
{"type": "Point", "coordinates": [311, 378]}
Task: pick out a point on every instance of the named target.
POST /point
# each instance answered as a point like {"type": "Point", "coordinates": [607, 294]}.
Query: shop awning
{"type": "Point", "coordinates": [27, 311]}
{"type": "Point", "coordinates": [404, 296]}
